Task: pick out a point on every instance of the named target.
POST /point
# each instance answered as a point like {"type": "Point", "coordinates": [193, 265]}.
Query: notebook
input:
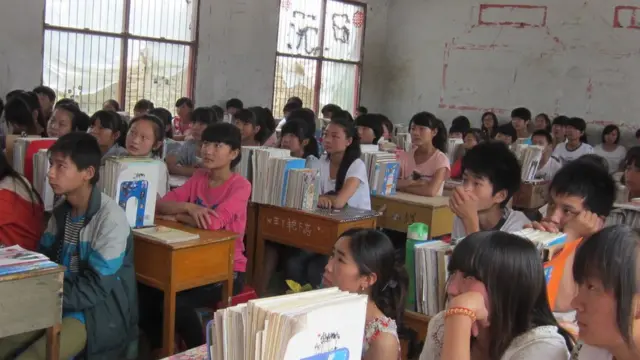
{"type": "Point", "coordinates": [40, 179]}
{"type": "Point", "coordinates": [431, 261]}
{"type": "Point", "coordinates": [15, 259]}
{"type": "Point", "coordinates": [165, 234]}
{"type": "Point", "coordinates": [133, 183]}
{"type": "Point", "coordinates": [302, 189]}
{"type": "Point", "coordinates": [23, 151]}
{"type": "Point", "coordinates": [383, 170]}
{"type": "Point", "coordinates": [529, 157]}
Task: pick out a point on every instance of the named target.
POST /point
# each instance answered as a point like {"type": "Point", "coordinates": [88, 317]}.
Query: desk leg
{"type": "Point", "coordinates": [169, 316]}
{"type": "Point", "coordinates": [53, 342]}
{"type": "Point", "coordinates": [252, 222]}
{"type": "Point", "coordinates": [258, 277]}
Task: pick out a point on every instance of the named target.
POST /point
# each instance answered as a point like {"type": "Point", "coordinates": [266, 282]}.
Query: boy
{"type": "Point", "coordinates": [491, 177]}
{"type": "Point", "coordinates": [142, 107]}
{"type": "Point", "coordinates": [581, 196]}
{"type": "Point", "coordinates": [574, 147]}
{"type": "Point", "coordinates": [233, 106]}
{"type": "Point", "coordinates": [46, 97]}
{"type": "Point", "coordinates": [88, 233]}
{"type": "Point", "coordinates": [558, 130]}
{"type": "Point", "coordinates": [182, 122]}
{"type": "Point", "coordinates": [286, 112]}
{"type": "Point", "coordinates": [186, 161]}
{"type": "Point", "coordinates": [506, 134]}
{"type": "Point", "coordinates": [459, 126]}
{"type": "Point", "coordinates": [520, 118]}
{"type": "Point", "coordinates": [549, 165]}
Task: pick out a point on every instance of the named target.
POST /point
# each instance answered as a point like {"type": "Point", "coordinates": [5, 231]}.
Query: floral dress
{"type": "Point", "coordinates": [377, 326]}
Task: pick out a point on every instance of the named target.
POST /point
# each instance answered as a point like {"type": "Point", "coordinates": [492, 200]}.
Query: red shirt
{"type": "Point", "coordinates": [180, 127]}
{"type": "Point", "coordinates": [21, 220]}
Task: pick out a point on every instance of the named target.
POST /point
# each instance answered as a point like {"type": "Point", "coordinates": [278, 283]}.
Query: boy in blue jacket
{"type": "Point", "coordinates": [89, 234]}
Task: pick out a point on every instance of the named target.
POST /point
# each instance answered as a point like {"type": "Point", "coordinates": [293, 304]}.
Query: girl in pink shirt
{"type": "Point", "coordinates": [424, 169]}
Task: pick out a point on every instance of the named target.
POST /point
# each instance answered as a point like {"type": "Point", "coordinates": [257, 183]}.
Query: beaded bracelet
{"type": "Point", "coordinates": [460, 311]}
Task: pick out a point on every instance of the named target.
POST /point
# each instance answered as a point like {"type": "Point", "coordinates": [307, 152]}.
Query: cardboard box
{"type": "Point", "coordinates": [531, 195]}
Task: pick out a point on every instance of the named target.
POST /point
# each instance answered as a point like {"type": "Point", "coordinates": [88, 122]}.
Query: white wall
{"type": "Point", "coordinates": [21, 40]}
{"type": "Point", "coordinates": [571, 60]}
{"type": "Point", "coordinates": [373, 82]}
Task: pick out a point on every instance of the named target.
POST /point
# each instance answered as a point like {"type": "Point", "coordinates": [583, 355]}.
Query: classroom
{"type": "Point", "coordinates": [319, 179]}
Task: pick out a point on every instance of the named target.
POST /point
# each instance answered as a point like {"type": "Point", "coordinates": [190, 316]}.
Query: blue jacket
{"type": "Point", "coordinates": [104, 290]}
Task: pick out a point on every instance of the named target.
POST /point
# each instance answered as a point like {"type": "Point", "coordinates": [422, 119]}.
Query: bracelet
{"type": "Point", "coordinates": [460, 311]}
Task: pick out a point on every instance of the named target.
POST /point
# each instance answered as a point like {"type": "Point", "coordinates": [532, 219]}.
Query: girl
{"type": "Point", "coordinates": [22, 211]}
{"type": "Point", "coordinates": [631, 177]}
{"type": "Point", "coordinates": [112, 105]}
{"type": "Point", "coordinates": [489, 124]}
{"type": "Point", "coordinates": [486, 319]}
{"type": "Point", "coordinates": [542, 122]}
{"type": "Point", "coordinates": [65, 119]}
{"type": "Point", "coordinates": [343, 176]}
{"type": "Point", "coordinates": [610, 149]}
{"type": "Point", "coordinates": [363, 261]}
{"type": "Point", "coordinates": [145, 139]}
{"type": "Point", "coordinates": [252, 131]}
{"type": "Point", "coordinates": [471, 138]}
{"type": "Point", "coordinates": [22, 115]}
{"type": "Point", "coordinates": [142, 107]}
{"type": "Point", "coordinates": [424, 169]}
{"type": "Point", "coordinates": [370, 128]}
{"type": "Point", "coordinates": [166, 117]}
{"type": "Point", "coordinates": [606, 269]}
{"type": "Point", "coordinates": [188, 158]}
{"type": "Point", "coordinates": [213, 198]}
{"type": "Point", "coordinates": [296, 137]}
{"type": "Point", "coordinates": [106, 127]}
{"type": "Point", "coordinates": [576, 145]}
{"type": "Point", "coordinates": [387, 127]}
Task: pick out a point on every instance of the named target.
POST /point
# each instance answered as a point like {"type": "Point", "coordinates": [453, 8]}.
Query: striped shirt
{"type": "Point", "coordinates": [68, 252]}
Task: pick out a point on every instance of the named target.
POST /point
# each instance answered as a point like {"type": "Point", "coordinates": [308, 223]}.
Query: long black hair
{"type": "Point", "coordinates": [373, 253]}
{"type": "Point", "coordinates": [494, 128]}
{"type": "Point", "coordinates": [261, 118]}
{"type": "Point", "coordinates": [496, 258]}
{"type": "Point", "coordinates": [351, 153]}
{"type": "Point", "coordinates": [7, 170]}
{"type": "Point", "coordinates": [429, 120]}
{"type": "Point", "coordinates": [111, 120]}
{"type": "Point", "coordinates": [299, 128]}
{"type": "Point", "coordinates": [19, 113]}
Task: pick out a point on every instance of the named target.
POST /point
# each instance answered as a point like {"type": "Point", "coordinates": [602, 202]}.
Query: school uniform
{"type": "Point", "coordinates": [565, 156]}
{"type": "Point", "coordinates": [511, 221]}
{"type": "Point", "coordinates": [614, 158]}
{"type": "Point", "coordinates": [426, 170]}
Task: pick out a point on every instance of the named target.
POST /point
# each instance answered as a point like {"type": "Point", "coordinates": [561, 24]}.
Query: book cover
{"type": "Point", "coordinates": [290, 164]}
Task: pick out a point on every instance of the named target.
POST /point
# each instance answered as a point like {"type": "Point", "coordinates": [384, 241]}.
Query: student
{"type": "Point", "coordinates": [610, 149]}
{"type": "Point", "coordinates": [66, 101]}
{"type": "Point", "coordinates": [32, 99]}
{"type": "Point", "coordinates": [361, 110]}
{"type": "Point", "coordinates": [296, 137]}
{"type": "Point", "coordinates": [295, 100]}
{"type": "Point", "coordinates": [233, 106]}
{"type": "Point", "coordinates": [89, 234]}
{"type": "Point", "coordinates": [112, 105]}
{"type": "Point", "coordinates": [491, 177]}
{"type": "Point", "coordinates": [187, 160]}
{"type": "Point", "coordinates": [46, 97]}
{"type": "Point", "coordinates": [106, 127]}
{"type": "Point", "coordinates": [286, 111]}
{"type": "Point", "coordinates": [507, 134]}
{"type": "Point", "coordinates": [426, 166]}
{"type": "Point", "coordinates": [549, 165]}
{"type": "Point", "coordinates": [471, 138]}
{"type": "Point", "coordinates": [22, 211]}
{"type": "Point", "coordinates": [363, 261]}
{"type": "Point", "coordinates": [520, 118]}
{"type": "Point", "coordinates": [145, 139]}
{"type": "Point", "coordinates": [558, 130]}
{"type": "Point", "coordinates": [459, 126]}
{"type": "Point", "coordinates": [22, 116]}
{"type": "Point", "coordinates": [266, 120]}
{"type": "Point", "coordinates": [182, 122]}
{"type": "Point", "coordinates": [142, 107]}
{"type": "Point", "coordinates": [166, 117]}
{"type": "Point", "coordinates": [606, 270]}
{"type": "Point", "coordinates": [65, 119]}
{"type": "Point", "coordinates": [370, 129]}
{"type": "Point", "coordinates": [343, 175]}
{"type": "Point", "coordinates": [575, 145]}
{"type": "Point", "coordinates": [329, 110]}
{"type": "Point", "coordinates": [219, 112]}
{"type": "Point", "coordinates": [631, 178]}
{"type": "Point", "coordinates": [387, 127]}
{"type": "Point", "coordinates": [542, 122]}
{"type": "Point", "coordinates": [214, 198]}
{"type": "Point", "coordinates": [488, 318]}
{"type": "Point", "coordinates": [489, 124]}
{"type": "Point", "coordinates": [581, 196]}
{"type": "Point", "coordinates": [342, 115]}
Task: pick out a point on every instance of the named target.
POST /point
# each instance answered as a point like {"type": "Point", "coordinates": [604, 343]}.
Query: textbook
{"type": "Point", "coordinates": [431, 275]}
{"type": "Point", "coordinates": [529, 157]}
{"type": "Point", "coordinates": [453, 148]}
{"type": "Point", "coordinates": [133, 183]}
{"type": "Point", "coordinates": [261, 174]}
{"type": "Point", "coordinates": [247, 166]}
{"type": "Point", "coordinates": [23, 151]}
{"type": "Point", "coordinates": [303, 189]}
{"type": "Point", "coordinates": [546, 242]}
{"type": "Point", "coordinates": [15, 259]}
{"type": "Point", "coordinates": [382, 171]}
{"type": "Point", "coordinates": [41, 180]}
{"type": "Point", "coordinates": [276, 182]}
{"type": "Point", "coordinates": [319, 324]}
{"type": "Point", "coordinates": [165, 234]}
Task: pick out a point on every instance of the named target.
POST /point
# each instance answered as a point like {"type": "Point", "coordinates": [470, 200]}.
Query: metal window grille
{"type": "Point", "coordinates": [125, 50]}
{"type": "Point", "coordinates": [319, 54]}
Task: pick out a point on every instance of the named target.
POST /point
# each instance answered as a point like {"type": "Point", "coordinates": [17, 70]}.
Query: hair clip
{"type": "Point", "coordinates": [390, 284]}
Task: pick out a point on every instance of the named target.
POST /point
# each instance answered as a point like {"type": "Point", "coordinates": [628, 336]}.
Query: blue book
{"type": "Point", "coordinates": [290, 164]}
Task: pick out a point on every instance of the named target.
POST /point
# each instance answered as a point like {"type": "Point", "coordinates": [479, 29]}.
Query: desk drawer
{"type": "Point", "coordinates": [297, 229]}
{"type": "Point", "coordinates": [399, 215]}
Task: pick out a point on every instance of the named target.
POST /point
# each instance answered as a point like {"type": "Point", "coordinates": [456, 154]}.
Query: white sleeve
{"type": "Point", "coordinates": [432, 349]}
{"type": "Point", "coordinates": [541, 350]}
{"type": "Point", "coordinates": [357, 170]}
{"type": "Point", "coordinates": [458, 229]}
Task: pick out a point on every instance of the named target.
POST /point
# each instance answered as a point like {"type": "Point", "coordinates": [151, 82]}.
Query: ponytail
{"type": "Point", "coordinates": [390, 297]}
{"type": "Point", "coordinates": [429, 120]}
{"type": "Point", "coordinates": [312, 148]}
{"type": "Point", "coordinates": [440, 140]}
{"type": "Point", "coordinates": [351, 153]}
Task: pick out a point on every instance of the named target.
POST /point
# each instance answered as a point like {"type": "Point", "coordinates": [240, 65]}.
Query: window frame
{"type": "Point", "coordinates": [321, 59]}
{"type": "Point", "coordinates": [124, 36]}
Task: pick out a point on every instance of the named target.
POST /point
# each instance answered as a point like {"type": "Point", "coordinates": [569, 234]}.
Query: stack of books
{"type": "Point", "coordinates": [382, 170]}
{"type": "Point", "coordinates": [41, 180]}
{"type": "Point", "coordinates": [403, 140]}
{"type": "Point", "coordinates": [431, 260]}
{"type": "Point", "coordinates": [529, 157]}
{"type": "Point", "coordinates": [133, 183]}
{"type": "Point", "coordinates": [303, 189]}
{"type": "Point", "coordinates": [546, 242]}
{"type": "Point", "coordinates": [247, 167]}
{"type": "Point", "coordinates": [453, 148]}
{"type": "Point", "coordinates": [14, 259]}
{"type": "Point", "coordinates": [272, 177]}
{"type": "Point", "coordinates": [24, 150]}
{"type": "Point", "coordinates": [321, 324]}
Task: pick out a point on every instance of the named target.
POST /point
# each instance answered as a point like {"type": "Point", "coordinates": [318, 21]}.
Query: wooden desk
{"type": "Point", "coordinates": [404, 209]}
{"type": "Point", "coordinates": [250, 240]}
{"type": "Point", "coordinates": [418, 323]}
{"type": "Point", "coordinates": [315, 231]}
{"type": "Point", "coordinates": [33, 301]}
{"type": "Point", "coordinates": [185, 265]}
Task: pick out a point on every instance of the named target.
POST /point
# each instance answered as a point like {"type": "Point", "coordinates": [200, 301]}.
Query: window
{"type": "Point", "coordinates": [120, 49]}
{"type": "Point", "coordinates": [319, 55]}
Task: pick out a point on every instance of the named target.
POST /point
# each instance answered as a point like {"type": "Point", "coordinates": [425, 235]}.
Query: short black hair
{"type": "Point", "coordinates": [373, 122]}
{"type": "Point", "coordinates": [82, 149]}
{"type": "Point", "coordinates": [289, 107]}
{"type": "Point", "coordinates": [477, 134]}
{"type": "Point", "coordinates": [521, 113]}
{"type": "Point", "coordinates": [547, 121]}
{"type": "Point", "coordinates": [295, 100]}
{"type": "Point", "coordinates": [219, 112]}
{"type": "Point", "coordinates": [632, 158]}
{"type": "Point", "coordinates": [330, 108]}
{"type": "Point", "coordinates": [577, 123]}
{"type": "Point", "coordinates": [543, 133]}
{"type": "Point", "coordinates": [508, 130]}
{"type": "Point", "coordinates": [594, 159]}
{"type": "Point", "coordinates": [560, 120]}
{"type": "Point", "coordinates": [225, 133]}
{"type": "Point", "coordinates": [308, 117]}
{"type": "Point", "coordinates": [460, 124]}
{"type": "Point", "coordinates": [114, 103]}
{"type": "Point", "coordinates": [300, 129]}
{"type": "Point", "coordinates": [609, 129]}
{"type": "Point", "coordinates": [111, 120]}
{"type": "Point", "coordinates": [386, 122]}
{"type": "Point", "coordinates": [343, 115]}
{"type": "Point", "coordinates": [204, 115]}
{"type": "Point", "coordinates": [79, 120]}
{"type": "Point", "coordinates": [363, 110]}
{"type": "Point", "coordinates": [589, 181]}
{"type": "Point", "coordinates": [235, 103]}
{"type": "Point", "coordinates": [494, 162]}
{"type": "Point", "coordinates": [66, 101]}
{"type": "Point", "coordinates": [184, 101]}
{"type": "Point", "coordinates": [246, 116]}
{"type": "Point", "coordinates": [45, 90]}
{"type": "Point", "coordinates": [144, 104]}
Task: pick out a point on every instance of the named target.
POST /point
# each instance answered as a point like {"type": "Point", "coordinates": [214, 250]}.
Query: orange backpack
{"type": "Point", "coordinates": [554, 269]}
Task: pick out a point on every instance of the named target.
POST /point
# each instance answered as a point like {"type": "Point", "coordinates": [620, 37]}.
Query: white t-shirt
{"type": "Point", "coordinates": [549, 169]}
{"type": "Point", "coordinates": [588, 352]}
{"type": "Point", "coordinates": [566, 156]}
{"type": "Point", "coordinates": [361, 199]}
{"type": "Point", "coordinates": [516, 220]}
{"type": "Point", "coordinates": [614, 158]}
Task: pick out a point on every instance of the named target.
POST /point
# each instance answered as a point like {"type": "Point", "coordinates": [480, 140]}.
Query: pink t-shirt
{"type": "Point", "coordinates": [228, 200]}
{"type": "Point", "coordinates": [427, 169]}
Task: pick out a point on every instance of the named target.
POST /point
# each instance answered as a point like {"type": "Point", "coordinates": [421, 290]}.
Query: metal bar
{"type": "Point", "coordinates": [348, 62]}
{"type": "Point", "coordinates": [318, 84]}
{"type": "Point", "coordinates": [358, 84]}
{"type": "Point", "coordinates": [193, 53]}
{"type": "Point", "coordinates": [118, 35]}
{"type": "Point", "coordinates": [124, 51]}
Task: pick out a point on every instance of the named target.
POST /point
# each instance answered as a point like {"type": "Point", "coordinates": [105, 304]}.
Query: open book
{"type": "Point", "coordinates": [165, 234]}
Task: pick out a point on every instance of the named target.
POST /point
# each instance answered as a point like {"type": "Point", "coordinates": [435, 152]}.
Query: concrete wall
{"type": "Point", "coordinates": [570, 57]}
